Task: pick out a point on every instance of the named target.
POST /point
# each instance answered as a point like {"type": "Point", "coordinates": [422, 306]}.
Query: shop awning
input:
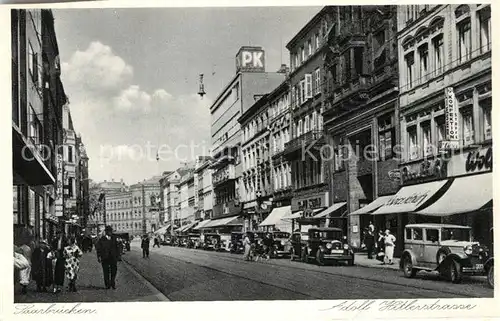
{"type": "Point", "coordinates": [162, 230]}
{"type": "Point", "coordinates": [201, 225]}
{"type": "Point", "coordinates": [373, 206]}
{"type": "Point", "coordinates": [185, 228]}
{"type": "Point", "coordinates": [466, 194]}
{"type": "Point", "coordinates": [276, 216]}
{"type": "Point", "coordinates": [335, 207]}
{"type": "Point", "coordinates": [223, 221]}
{"type": "Point", "coordinates": [412, 198]}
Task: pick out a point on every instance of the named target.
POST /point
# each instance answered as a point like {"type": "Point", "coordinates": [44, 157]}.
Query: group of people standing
{"type": "Point", "coordinates": [381, 244]}
{"type": "Point", "coordinates": [48, 264]}
{"type": "Point", "coordinates": [252, 250]}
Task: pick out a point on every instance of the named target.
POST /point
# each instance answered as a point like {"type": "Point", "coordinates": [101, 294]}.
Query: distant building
{"type": "Point", "coordinates": [203, 177]}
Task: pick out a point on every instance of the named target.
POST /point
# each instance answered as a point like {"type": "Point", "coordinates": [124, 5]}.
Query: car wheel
{"type": "Point", "coordinates": [454, 271]}
{"type": "Point", "coordinates": [304, 257]}
{"type": "Point", "coordinates": [490, 276]}
{"type": "Point", "coordinates": [320, 259]}
{"type": "Point", "coordinates": [408, 269]}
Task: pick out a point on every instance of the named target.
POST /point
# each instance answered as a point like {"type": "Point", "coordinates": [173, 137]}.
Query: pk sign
{"type": "Point", "coordinates": [250, 59]}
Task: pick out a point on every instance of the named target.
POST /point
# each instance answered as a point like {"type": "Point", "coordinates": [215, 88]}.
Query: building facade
{"type": "Point", "coordinates": [310, 193]}
{"type": "Point", "coordinates": [37, 100]}
{"type": "Point", "coordinates": [82, 183]}
{"type": "Point", "coordinates": [445, 115]}
{"type": "Point", "coordinates": [360, 116]}
{"type": "Point", "coordinates": [203, 175]}
{"type": "Point", "coordinates": [237, 96]}
{"type": "Point", "coordinates": [186, 201]}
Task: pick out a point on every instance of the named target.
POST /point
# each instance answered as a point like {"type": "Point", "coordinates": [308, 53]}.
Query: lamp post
{"type": "Point", "coordinates": [144, 229]}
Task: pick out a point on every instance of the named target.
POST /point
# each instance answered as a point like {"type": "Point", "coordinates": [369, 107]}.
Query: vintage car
{"type": "Point", "coordinates": [281, 244]}
{"type": "Point", "coordinates": [192, 240]}
{"type": "Point", "coordinates": [225, 243]}
{"type": "Point", "coordinates": [445, 248]}
{"type": "Point", "coordinates": [237, 242]}
{"type": "Point", "coordinates": [297, 241]}
{"type": "Point", "coordinates": [167, 240]}
{"type": "Point", "coordinates": [211, 241]}
{"type": "Point", "coordinates": [488, 266]}
{"type": "Point", "coordinates": [257, 239]}
{"type": "Point", "coordinates": [324, 245]}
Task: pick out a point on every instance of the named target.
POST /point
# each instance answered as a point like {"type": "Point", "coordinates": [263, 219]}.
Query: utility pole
{"type": "Point", "coordinates": [143, 210]}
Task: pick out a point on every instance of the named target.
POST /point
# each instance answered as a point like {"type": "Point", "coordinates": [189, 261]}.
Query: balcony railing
{"type": "Point", "coordinates": [303, 140]}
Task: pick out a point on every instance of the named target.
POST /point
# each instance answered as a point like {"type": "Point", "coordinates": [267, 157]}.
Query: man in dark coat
{"type": "Point", "coordinates": [145, 246]}
{"type": "Point", "coordinates": [107, 255]}
{"type": "Point", "coordinates": [57, 246]}
{"type": "Point", "coordinates": [42, 266]}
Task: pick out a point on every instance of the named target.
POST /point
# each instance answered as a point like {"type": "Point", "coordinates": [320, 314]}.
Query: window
{"type": "Point", "coordinates": [35, 128]}
{"type": "Point", "coordinates": [410, 61]}
{"type": "Point", "coordinates": [418, 234]}
{"type": "Point", "coordinates": [317, 81]}
{"type": "Point", "coordinates": [313, 120]}
{"type": "Point", "coordinates": [71, 186]}
{"type": "Point", "coordinates": [408, 233]}
{"type": "Point", "coordinates": [485, 29]}
{"type": "Point", "coordinates": [70, 154]}
{"type": "Point", "coordinates": [423, 52]}
{"type": "Point", "coordinates": [358, 60]}
{"type": "Point", "coordinates": [467, 126]}
{"type": "Point", "coordinates": [33, 63]}
{"type": "Point", "coordinates": [334, 73]}
{"type": "Point", "coordinates": [426, 137]}
{"type": "Point", "coordinates": [386, 138]}
{"type": "Point", "coordinates": [309, 48]}
{"type": "Point", "coordinates": [308, 85]}
{"type": "Point", "coordinates": [464, 40]}
{"type": "Point", "coordinates": [440, 124]}
{"type": "Point", "coordinates": [437, 43]}
{"type": "Point", "coordinates": [299, 128]}
{"type": "Point", "coordinates": [297, 63]}
{"type": "Point", "coordinates": [487, 121]}
{"type": "Point", "coordinates": [306, 124]}
{"type": "Point", "coordinates": [316, 40]}
{"type": "Point", "coordinates": [432, 235]}
{"type": "Point", "coordinates": [412, 143]}
{"type": "Point", "coordinates": [302, 54]}
{"type": "Point", "coordinates": [302, 87]}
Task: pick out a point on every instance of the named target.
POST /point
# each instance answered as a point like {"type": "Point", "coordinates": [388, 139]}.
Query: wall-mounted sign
{"type": "Point", "coordinates": [451, 120]}
{"type": "Point", "coordinates": [426, 170]}
{"type": "Point", "coordinates": [59, 187]}
{"type": "Point", "coordinates": [251, 59]}
{"type": "Point", "coordinates": [474, 161]}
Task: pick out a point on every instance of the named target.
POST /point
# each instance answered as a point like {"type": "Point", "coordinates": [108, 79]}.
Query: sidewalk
{"type": "Point", "coordinates": [131, 287]}
{"type": "Point", "coordinates": [361, 259]}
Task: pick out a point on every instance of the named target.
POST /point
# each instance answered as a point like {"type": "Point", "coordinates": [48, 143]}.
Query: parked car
{"type": "Point", "coordinates": [328, 244]}
{"type": "Point", "coordinates": [225, 243]}
{"type": "Point", "coordinates": [448, 249]}
{"type": "Point", "coordinates": [192, 240]}
{"type": "Point", "coordinates": [257, 239]}
{"type": "Point", "coordinates": [237, 242]}
{"type": "Point", "coordinates": [297, 241]}
{"type": "Point", "coordinates": [211, 241]}
{"type": "Point", "coordinates": [488, 266]}
{"type": "Point", "coordinates": [281, 244]}
{"type": "Point", "coordinates": [167, 240]}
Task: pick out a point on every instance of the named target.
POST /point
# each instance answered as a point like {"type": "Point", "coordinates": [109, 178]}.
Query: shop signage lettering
{"type": "Point", "coordinates": [479, 160]}
{"type": "Point", "coordinates": [451, 118]}
{"type": "Point", "coordinates": [427, 169]}
{"type": "Point", "coordinates": [412, 199]}
{"type": "Point", "coordinates": [59, 187]}
{"type": "Point", "coordinates": [251, 59]}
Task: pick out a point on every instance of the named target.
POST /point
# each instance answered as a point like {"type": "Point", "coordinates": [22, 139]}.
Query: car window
{"type": "Point", "coordinates": [408, 233]}
{"type": "Point", "coordinates": [418, 234]}
{"type": "Point", "coordinates": [432, 235]}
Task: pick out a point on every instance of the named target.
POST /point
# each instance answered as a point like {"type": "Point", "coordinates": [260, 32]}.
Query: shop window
{"type": "Point", "coordinates": [409, 61]}
{"type": "Point", "coordinates": [386, 137]}
{"type": "Point", "coordinates": [418, 234]}
{"type": "Point", "coordinates": [467, 127]}
{"type": "Point", "coordinates": [464, 40]}
{"type": "Point", "coordinates": [426, 138]}
{"type": "Point", "coordinates": [485, 29]}
{"type": "Point", "coordinates": [432, 235]}
{"type": "Point", "coordinates": [412, 143]}
{"type": "Point", "coordinates": [423, 52]}
{"type": "Point", "coordinates": [308, 86]}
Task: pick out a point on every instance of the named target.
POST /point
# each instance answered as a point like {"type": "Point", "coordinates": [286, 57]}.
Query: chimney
{"type": "Point", "coordinates": [283, 69]}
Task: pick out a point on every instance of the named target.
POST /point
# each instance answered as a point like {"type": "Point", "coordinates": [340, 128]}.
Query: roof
{"type": "Point", "coordinates": [314, 20]}
{"type": "Point", "coordinates": [436, 225]}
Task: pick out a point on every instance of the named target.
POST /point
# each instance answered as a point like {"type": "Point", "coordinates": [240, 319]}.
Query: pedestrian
{"type": "Point", "coordinates": [72, 254]}
{"type": "Point", "coordinates": [107, 254]}
{"type": "Point", "coordinates": [389, 242]}
{"type": "Point", "coordinates": [145, 247]}
{"type": "Point", "coordinates": [42, 271]}
{"type": "Point", "coordinates": [380, 246]}
{"type": "Point", "coordinates": [371, 227]}
{"type": "Point", "coordinates": [156, 242]}
{"type": "Point", "coordinates": [247, 245]}
{"type": "Point", "coordinates": [268, 246]}
{"type": "Point", "coordinates": [58, 245]}
{"type": "Point", "coordinates": [370, 242]}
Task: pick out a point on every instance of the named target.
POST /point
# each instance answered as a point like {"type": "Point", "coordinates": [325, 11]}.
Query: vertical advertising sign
{"type": "Point", "coordinates": [452, 136]}
{"type": "Point", "coordinates": [59, 187]}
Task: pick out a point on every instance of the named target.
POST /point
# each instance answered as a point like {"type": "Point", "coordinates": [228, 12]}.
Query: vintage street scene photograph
{"type": "Point", "coordinates": [339, 152]}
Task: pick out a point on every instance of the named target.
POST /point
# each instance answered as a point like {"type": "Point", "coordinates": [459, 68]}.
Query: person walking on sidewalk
{"type": "Point", "coordinates": [156, 242]}
{"type": "Point", "coordinates": [145, 246]}
{"type": "Point", "coordinates": [58, 245]}
{"type": "Point", "coordinates": [25, 274]}
{"type": "Point", "coordinates": [107, 255]}
{"type": "Point", "coordinates": [42, 266]}
{"type": "Point", "coordinates": [247, 245]}
{"type": "Point", "coordinates": [380, 246]}
{"type": "Point", "coordinates": [72, 254]}
{"type": "Point", "coordinates": [369, 242]}
{"type": "Point", "coordinates": [390, 243]}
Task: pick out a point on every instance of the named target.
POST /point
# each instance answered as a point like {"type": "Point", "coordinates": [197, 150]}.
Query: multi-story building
{"type": "Point", "coordinates": [445, 115]}
{"type": "Point", "coordinates": [360, 114]}
{"type": "Point", "coordinates": [82, 183]}
{"type": "Point", "coordinates": [306, 48]}
{"type": "Point", "coordinates": [237, 96]}
{"type": "Point", "coordinates": [186, 201]}
{"type": "Point", "coordinates": [203, 177]}
{"type": "Point", "coordinates": [37, 100]}
{"type": "Point", "coordinates": [122, 216]}
{"type": "Point", "coordinates": [145, 197]}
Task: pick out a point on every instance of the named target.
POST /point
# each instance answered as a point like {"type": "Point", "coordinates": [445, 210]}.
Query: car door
{"type": "Point", "coordinates": [431, 246]}
{"type": "Point", "coordinates": [417, 244]}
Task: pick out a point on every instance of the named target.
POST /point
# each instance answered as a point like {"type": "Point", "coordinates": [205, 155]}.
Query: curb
{"type": "Point", "coordinates": [159, 295]}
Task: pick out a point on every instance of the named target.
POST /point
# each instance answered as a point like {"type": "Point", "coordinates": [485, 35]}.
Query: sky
{"type": "Point", "coordinates": [132, 77]}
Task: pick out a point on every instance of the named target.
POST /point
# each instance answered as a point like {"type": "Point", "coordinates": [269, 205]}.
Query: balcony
{"type": "Point", "coordinates": [303, 141]}
{"type": "Point", "coordinates": [223, 175]}
{"type": "Point", "coordinates": [349, 32]}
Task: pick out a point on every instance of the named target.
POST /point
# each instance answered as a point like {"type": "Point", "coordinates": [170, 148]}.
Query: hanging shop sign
{"type": "Point", "coordinates": [426, 170]}
{"type": "Point", "coordinates": [59, 187]}
{"type": "Point", "coordinates": [472, 162]}
{"type": "Point", "coordinates": [451, 122]}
